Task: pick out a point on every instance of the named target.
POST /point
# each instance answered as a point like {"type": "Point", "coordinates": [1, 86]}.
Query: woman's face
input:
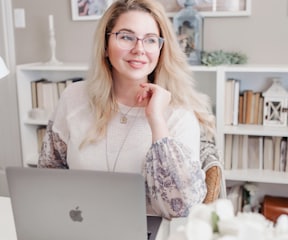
{"type": "Point", "coordinates": [135, 63]}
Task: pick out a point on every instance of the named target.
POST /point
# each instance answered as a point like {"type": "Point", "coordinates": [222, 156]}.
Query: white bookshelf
{"type": "Point", "coordinates": [256, 78]}
{"type": "Point", "coordinates": [210, 80]}
{"type": "Point", "coordinates": [25, 75]}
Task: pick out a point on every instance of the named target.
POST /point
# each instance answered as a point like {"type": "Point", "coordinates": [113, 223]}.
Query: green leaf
{"type": "Point", "coordinates": [215, 220]}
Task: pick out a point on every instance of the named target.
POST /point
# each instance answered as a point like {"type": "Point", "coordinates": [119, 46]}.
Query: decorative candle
{"type": "Point", "coordinates": [52, 41]}
{"type": "Point", "coordinates": [51, 23]}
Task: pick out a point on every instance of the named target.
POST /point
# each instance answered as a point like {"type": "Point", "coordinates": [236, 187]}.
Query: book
{"type": "Point", "coordinates": [268, 153]}
{"type": "Point", "coordinates": [286, 166]}
{"type": "Point", "coordinates": [260, 110]}
{"type": "Point", "coordinates": [283, 154]}
{"type": "Point", "coordinates": [248, 101]}
{"type": "Point", "coordinates": [39, 90]}
{"type": "Point", "coordinates": [228, 111]}
{"type": "Point", "coordinates": [240, 109]}
{"type": "Point", "coordinates": [235, 150]}
{"type": "Point", "coordinates": [276, 153]}
{"type": "Point", "coordinates": [254, 152]}
{"type": "Point", "coordinates": [47, 95]}
{"type": "Point", "coordinates": [236, 92]}
{"type": "Point", "coordinates": [240, 151]}
{"type": "Point", "coordinates": [255, 108]}
{"type": "Point", "coordinates": [228, 152]}
{"type": "Point", "coordinates": [244, 151]}
{"type": "Point", "coordinates": [261, 152]}
{"type": "Point", "coordinates": [235, 195]}
{"type": "Point", "coordinates": [34, 94]}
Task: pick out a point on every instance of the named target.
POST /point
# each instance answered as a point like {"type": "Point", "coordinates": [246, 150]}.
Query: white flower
{"type": "Point", "coordinates": [281, 227]}
{"type": "Point", "coordinates": [243, 226]}
{"type": "Point", "coordinates": [179, 235]}
{"type": "Point", "coordinates": [197, 229]}
{"type": "Point", "coordinates": [201, 211]}
{"type": "Point", "coordinates": [224, 209]}
{"type": "Point", "coordinates": [228, 238]}
{"type": "Point", "coordinates": [230, 227]}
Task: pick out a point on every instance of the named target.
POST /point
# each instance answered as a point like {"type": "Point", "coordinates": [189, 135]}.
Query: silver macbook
{"type": "Point", "coordinates": [77, 204]}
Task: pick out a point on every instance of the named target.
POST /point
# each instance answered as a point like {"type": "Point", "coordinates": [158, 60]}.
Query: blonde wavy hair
{"type": "Point", "coordinates": [172, 71]}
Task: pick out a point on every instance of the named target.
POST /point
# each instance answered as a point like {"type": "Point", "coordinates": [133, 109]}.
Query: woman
{"type": "Point", "coordinates": [136, 112]}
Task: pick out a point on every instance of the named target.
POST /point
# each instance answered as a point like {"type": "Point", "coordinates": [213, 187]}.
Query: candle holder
{"type": "Point", "coordinates": [52, 42]}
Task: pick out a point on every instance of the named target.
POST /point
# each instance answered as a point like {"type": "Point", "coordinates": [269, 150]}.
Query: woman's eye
{"type": "Point", "coordinates": [128, 37]}
{"type": "Point", "coordinates": [151, 40]}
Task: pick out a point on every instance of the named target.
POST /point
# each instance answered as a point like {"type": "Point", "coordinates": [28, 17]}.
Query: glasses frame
{"type": "Point", "coordinates": [160, 40]}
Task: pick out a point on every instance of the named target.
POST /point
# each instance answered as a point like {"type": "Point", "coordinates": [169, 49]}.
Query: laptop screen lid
{"type": "Point", "coordinates": [77, 204]}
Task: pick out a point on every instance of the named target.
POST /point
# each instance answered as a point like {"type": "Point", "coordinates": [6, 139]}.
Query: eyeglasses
{"type": "Point", "coordinates": [128, 41]}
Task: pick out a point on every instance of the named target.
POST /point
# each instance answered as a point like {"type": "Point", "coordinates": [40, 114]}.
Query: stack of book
{"type": "Point", "coordinates": [45, 94]}
{"type": "Point", "coordinates": [242, 107]}
{"type": "Point", "coordinates": [256, 152]}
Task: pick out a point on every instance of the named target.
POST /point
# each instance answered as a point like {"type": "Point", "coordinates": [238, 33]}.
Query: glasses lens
{"type": "Point", "coordinates": [128, 41]}
{"type": "Point", "coordinates": [151, 43]}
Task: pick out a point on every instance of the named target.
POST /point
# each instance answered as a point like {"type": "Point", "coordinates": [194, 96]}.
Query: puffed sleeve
{"type": "Point", "coordinates": [174, 178]}
{"type": "Point", "coordinates": [54, 146]}
{"type": "Point", "coordinates": [54, 150]}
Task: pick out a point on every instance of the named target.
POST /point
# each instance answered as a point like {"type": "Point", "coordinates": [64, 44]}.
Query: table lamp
{"type": "Point", "coordinates": [3, 69]}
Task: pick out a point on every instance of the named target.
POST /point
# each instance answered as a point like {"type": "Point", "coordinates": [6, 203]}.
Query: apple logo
{"type": "Point", "coordinates": [75, 214]}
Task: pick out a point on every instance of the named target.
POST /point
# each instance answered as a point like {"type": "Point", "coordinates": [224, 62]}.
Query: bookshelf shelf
{"type": "Point", "coordinates": [36, 122]}
{"type": "Point", "coordinates": [255, 175]}
{"type": "Point", "coordinates": [255, 130]}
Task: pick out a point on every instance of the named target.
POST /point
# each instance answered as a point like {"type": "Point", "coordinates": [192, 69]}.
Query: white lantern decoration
{"type": "Point", "coordinates": [275, 105]}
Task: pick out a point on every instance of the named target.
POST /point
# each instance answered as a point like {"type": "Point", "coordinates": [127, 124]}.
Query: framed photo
{"type": "Point", "coordinates": [89, 9]}
{"type": "Point", "coordinates": [173, 6]}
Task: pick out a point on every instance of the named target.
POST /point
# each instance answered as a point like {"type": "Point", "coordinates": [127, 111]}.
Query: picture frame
{"type": "Point", "coordinates": [174, 6]}
{"type": "Point", "coordinates": [210, 8]}
{"type": "Point", "coordinates": [85, 10]}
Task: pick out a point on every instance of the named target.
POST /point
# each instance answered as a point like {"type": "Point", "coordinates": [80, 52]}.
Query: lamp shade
{"type": "Point", "coordinates": [3, 69]}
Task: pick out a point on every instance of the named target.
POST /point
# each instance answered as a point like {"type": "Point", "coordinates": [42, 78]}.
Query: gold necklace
{"type": "Point", "coordinates": [123, 117]}
{"type": "Point", "coordinates": [122, 144]}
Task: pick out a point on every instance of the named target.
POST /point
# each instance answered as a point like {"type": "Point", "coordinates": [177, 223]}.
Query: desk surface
{"type": "Point", "coordinates": [7, 225]}
{"type": "Point", "coordinates": [8, 231]}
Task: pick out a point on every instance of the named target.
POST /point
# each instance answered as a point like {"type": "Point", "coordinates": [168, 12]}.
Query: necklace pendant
{"type": "Point", "coordinates": [123, 120]}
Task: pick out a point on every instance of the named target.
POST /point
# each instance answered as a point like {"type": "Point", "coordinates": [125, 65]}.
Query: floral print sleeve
{"type": "Point", "coordinates": [174, 182]}
{"type": "Point", "coordinates": [54, 150]}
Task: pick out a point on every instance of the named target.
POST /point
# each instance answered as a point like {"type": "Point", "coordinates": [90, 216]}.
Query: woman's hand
{"type": "Point", "coordinates": [156, 101]}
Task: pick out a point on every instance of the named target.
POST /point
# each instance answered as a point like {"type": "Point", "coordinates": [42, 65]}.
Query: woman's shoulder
{"type": "Point", "coordinates": [180, 112]}
{"type": "Point", "coordinates": [75, 94]}
{"type": "Point", "coordinates": [76, 90]}
{"type": "Point", "coordinates": [76, 87]}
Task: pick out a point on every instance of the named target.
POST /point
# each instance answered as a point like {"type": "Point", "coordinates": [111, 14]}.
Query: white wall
{"type": "Point", "coordinates": [10, 153]}
{"type": "Point", "coordinates": [263, 36]}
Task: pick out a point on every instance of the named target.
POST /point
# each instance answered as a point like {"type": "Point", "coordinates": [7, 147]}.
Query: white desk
{"type": "Point", "coordinates": [7, 226]}
{"type": "Point", "coordinates": [8, 232]}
